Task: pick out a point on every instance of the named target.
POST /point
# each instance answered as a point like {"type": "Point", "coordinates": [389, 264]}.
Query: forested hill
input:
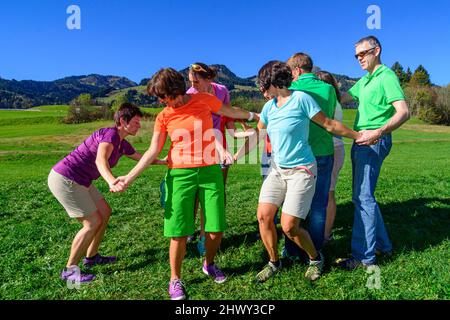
{"type": "Point", "coordinates": [27, 93]}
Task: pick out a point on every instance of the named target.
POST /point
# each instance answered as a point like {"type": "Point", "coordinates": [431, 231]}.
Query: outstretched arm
{"type": "Point", "coordinates": [335, 127]}
{"type": "Point", "coordinates": [401, 115]}
{"type": "Point", "coordinates": [137, 156]}
{"type": "Point", "coordinates": [158, 140]}
{"type": "Point", "coordinates": [251, 142]}
{"type": "Point", "coordinates": [346, 98]}
{"type": "Point", "coordinates": [101, 161]}
{"type": "Point", "coordinates": [237, 113]}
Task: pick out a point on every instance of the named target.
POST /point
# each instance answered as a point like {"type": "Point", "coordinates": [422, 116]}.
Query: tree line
{"type": "Point", "coordinates": [426, 101]}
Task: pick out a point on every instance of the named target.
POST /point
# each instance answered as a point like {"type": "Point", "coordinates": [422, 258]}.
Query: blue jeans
{"type": "Point", "coordinates": [369, 232]}
{"type": "Point", "coordinates": [318, 214]}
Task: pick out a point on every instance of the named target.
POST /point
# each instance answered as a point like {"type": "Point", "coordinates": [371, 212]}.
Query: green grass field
{"type": "Point", "coordinates": [36, 234]}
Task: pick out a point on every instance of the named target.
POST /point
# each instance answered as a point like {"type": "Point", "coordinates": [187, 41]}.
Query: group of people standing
{"type": "Point", "coordinates": [300, 118]}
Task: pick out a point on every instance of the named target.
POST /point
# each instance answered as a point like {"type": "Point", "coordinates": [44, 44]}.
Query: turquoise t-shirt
{"type": "Point", "coordinates": [288, 129]}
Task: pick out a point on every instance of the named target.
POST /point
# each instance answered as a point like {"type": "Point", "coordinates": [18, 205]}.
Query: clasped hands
{"type": "Point", "coordinates": [368, 137]}
{"type": "Point", "coordinates": [120, 184]}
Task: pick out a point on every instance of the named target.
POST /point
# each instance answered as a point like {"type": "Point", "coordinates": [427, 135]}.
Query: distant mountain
{"type": "Point", "coordinates": [28, 93]}
{"type": "Point", "coordinates": [224, 76]}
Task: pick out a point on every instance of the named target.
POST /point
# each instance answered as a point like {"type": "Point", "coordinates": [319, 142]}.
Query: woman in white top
{"type": "Point", "coordinates": [339, 154]}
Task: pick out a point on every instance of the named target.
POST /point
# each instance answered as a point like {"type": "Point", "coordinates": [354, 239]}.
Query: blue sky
{"type": "Point", "coordinates": [135, 38]}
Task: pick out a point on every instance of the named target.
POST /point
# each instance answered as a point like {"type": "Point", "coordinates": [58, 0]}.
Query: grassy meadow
{"type": "Point", "coordinates": [36, 233]}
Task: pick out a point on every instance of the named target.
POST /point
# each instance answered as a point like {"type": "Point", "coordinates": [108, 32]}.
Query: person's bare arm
{"type": "Point", "coordinates": [251, 142]}
{"type": "Point", "coordinates": [158, 140]}
{"type": "Point", "coordinates": [335, 127]}
{"type": "Point", "coordinates": [401, 115]}
{"type": "Point", "coordinates": [104, 151]}
{"type": "Point", "coordinates": [346, 98]}
{"type": "Point", "coordinates": [135, 156]}
{"type": "Point", "coordinates": [237, 113]}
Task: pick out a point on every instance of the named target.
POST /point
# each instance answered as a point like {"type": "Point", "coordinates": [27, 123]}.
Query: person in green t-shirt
{"type": "Point", "coordinates": [382, 109]}
{"type": "Point", "coordinates": [321, 142]}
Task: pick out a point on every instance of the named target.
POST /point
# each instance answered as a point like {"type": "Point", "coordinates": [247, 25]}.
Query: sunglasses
{"type": "Point", "coordinates": [364, 53]}
{"type": "Point", "coordinates": [197, 68]}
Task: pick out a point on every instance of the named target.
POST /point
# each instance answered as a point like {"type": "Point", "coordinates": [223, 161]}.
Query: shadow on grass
{"type": "Point", "coordinates": [145, 258]}
{"type": "Point", "coordinates": [229, 241]}
{"type": "Point", "coordinates": [412, 225]}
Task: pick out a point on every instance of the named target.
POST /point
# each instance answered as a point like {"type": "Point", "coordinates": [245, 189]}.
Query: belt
{"type": "Point", "coordinates": [300, 168]}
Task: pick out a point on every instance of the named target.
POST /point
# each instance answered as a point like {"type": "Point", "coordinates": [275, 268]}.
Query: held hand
{"type": "Point", "coordinates": [160, 161]}
{"type": "Point", "coordinates": [227, 158]}
{"type": "Point", "coordinates": [244, 125]}
{"type": "Point", "coordinates": [368, 137]}
{"type": "Point", "coordinates": [256, 117]}
{"type": "Point", "coordinates": [119, 185]}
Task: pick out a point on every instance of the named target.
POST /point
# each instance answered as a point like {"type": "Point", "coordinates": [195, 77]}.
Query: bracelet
{"type": "Point", "coordinates": [250, 118]}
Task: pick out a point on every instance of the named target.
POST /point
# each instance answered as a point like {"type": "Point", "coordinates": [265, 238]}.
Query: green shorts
{"type": "Point", "coordinates": [181, 188]}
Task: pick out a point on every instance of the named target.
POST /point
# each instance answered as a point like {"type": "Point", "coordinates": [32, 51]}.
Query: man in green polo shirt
{"type": "Point", "coordinates": [382, 109]}
{"type": "Point", "coordinates": [321, 143]}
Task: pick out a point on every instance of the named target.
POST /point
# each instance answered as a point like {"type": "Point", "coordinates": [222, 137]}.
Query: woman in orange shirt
{"type": "Point", "coordinates": [193, 168]}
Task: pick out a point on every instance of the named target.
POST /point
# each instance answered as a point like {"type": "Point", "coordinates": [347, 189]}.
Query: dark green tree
{"type": "Point", "coordinates": [408, 75]}
{"type": "Point", "coordinates": [398, 69]}
{"type": "Point", "coordinates": [421, 77]}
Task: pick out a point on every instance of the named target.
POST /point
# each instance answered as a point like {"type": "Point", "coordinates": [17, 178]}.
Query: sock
{"type": "Point", "coordinates": [318, 258]}
{"type": "Point", "coordinates": [72, 268]}
{"type": "Point", "coordinates": [275, 264]}
{"type": "Point", "coordinates": [91, 258]}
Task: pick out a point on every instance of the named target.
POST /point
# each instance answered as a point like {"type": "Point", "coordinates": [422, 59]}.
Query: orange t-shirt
{"type": "Point", "coordinates": [191, 132]}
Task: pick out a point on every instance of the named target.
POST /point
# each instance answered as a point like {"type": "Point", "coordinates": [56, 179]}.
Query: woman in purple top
{"type": "Point", "coordinates": [70, 181]}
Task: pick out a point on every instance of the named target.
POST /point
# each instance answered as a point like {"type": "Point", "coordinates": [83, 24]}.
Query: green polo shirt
{"type": "Point", "coordinates": [320, 140]}
{"type": "Point", "coordinates": [375, 94]}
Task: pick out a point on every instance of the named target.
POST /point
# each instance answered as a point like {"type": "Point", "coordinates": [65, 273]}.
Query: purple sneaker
{"type": "Point", "coordinates": [98, 259]}
{"type": "Point", "coordinates": [74, 274]}
{"type": "Point", "coordinates": [213, 270]}
{"type": "Point", "coordinates": [176, 290]}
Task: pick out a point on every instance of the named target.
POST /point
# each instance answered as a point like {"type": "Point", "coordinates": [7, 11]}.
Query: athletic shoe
{"type": "Point", "coordinates": [98, 259]}
{"type": "Point", "coordinates": [269, 270]}
{"type": "Point", "coordinates": [213, 271]}
{"type": "Point", "coordinates": [315, 268]}
{"type": "Point", "coordinates": [176, 290]}
{"type": "Point", "coordinates": [351, 264]}
{"type": "Point", "coordinates": [74, 274]}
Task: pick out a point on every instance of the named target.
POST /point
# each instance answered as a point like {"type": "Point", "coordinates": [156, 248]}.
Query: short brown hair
{"type": "Point", "coordinates": [126, 111]}
{"type": "Point", "coordinates": [275, 73]}
{"type": "Point", "coordinates": [372, 40]}
{"type": "Point", "coordinates": [203, 70]}
{"type": "Point", "coordinates": [167, 83]}
{"type": "Point", "coordinates": [301, 60]}
{"type": "Point", "coordinates": [327, 77]}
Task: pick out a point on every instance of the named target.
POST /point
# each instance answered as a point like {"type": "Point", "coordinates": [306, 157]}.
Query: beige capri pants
{"type": "Point", "coordinates": [78, 200]}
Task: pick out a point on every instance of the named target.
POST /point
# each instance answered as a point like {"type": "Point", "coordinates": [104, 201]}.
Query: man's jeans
{"type": "Point", "coordinates": [369, 232]}
{"type": "Point", "coordinates": [318, 214]}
